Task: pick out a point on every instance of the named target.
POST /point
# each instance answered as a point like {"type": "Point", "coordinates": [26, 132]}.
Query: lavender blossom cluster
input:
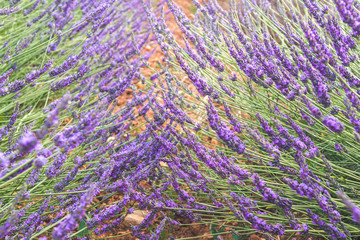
{"type": "Point", "coordinates": [278, 86]}
{"type": "Point", "coordinates": [66, 144]}
{"type": "Point", "coordinates": [250, 121]}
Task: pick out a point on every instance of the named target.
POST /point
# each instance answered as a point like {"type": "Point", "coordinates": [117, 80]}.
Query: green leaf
{"type": "Point", "coordinates": [151, 227]}
{"type": "Point", "coordinates": [85, 232]}
{"type": "Point", "coordinates": [270, 207]}
{"type": "Point", "coordinates": [311, 163]}
{"type": "Point", "coordinates": [213, 231]}
{"type": "Point", "coordinates": [342, 178]}
{"type": "Point", "coordinates": [164, 235]}
{"type": "Point", "coordinates": [236, 237]}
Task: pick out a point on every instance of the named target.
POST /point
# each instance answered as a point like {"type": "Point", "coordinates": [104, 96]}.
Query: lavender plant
{"type": "Point", "coordinates": [277, 85]}
{"type": "Point", "coordinates": [64, 64]}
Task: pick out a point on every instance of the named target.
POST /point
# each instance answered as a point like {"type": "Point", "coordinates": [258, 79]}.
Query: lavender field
{"type": "Point", "coordinates": [174, 119]}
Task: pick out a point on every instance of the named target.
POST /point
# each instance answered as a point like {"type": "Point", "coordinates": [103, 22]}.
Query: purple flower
{"type": "Point", "coordinates": [40, 161]}
{"type": "Point", "coordinates": [223, 132]}
{"type": "Point", "coordinates": [333, 124]}
{"type": "Point", "coordinates": [65, 227]}
{"type": "Point", "coordinates": [232, 119]}
{"type": "Point", "coordinates": [32, 8]}
{"type": "Point", "coordinates": [351, 206]}
{"type": "Point", "coordinates": [338, 147]}
{"type": "Point", "coordinates": [334, 110]}
{"type": "Point", "coordinates": [8, 11]}
{"type": "Point", "coordinates": [27, 143]}
{"type": "Point", "coordinates": [4, 164]}
{"type": "Point", "coordinates": [332, 230]}
{"type": "Point", "coordinates": [356, 214]}
{"type": "Point", "coordinates": [349, 14]}
{"type": "Point", "coordinates": [35, 74]}
{"type": "Point", "coordinates": [69, 63]}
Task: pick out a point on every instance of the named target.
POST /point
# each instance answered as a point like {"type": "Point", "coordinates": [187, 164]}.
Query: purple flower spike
{"type": "Point", "coordinates": [27, 143]}
{"type": "Point", "coordinates": [349, 15]}
{"type": "Point", "coordinates": [351, 206]}
{"type": "Point", "coordinates": [40, 161]}
{"type": "Point", "coordinates": [333, 124]}
{"type": "Point", "coordinates": [223, 132]}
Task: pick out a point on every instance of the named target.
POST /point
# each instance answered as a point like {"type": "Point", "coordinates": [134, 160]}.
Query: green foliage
{"type": "Point", "coordinates": [215, 232]}
{"type": "Point", "coordinates": [84, 231]}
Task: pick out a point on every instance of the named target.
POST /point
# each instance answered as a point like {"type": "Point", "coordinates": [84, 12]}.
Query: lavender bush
{"type": "Point", "coordinates": [64, 63]}
{"type": "Point", "coordinates": [275, 86]}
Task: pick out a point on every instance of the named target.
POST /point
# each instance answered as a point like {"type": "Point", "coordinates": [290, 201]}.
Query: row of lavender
{"type": "Point", "coordinates": [275, 85]}
{"type": "Point", "coordinates": [64, 64]}
{"type": "Point", "coordinates": [278, 85]}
